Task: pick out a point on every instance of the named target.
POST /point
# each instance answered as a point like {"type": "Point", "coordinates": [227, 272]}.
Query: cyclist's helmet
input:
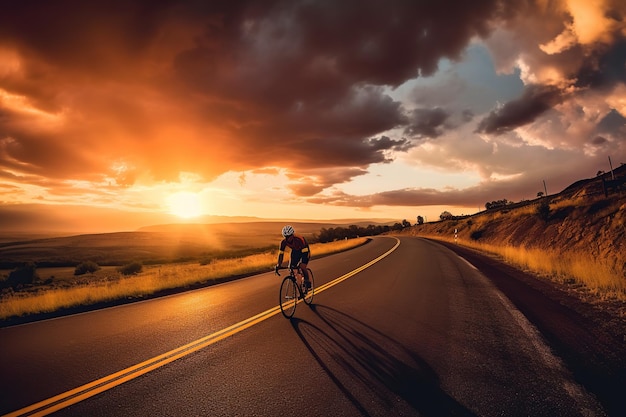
{"type": "Point", "coordinates": [288, 231]}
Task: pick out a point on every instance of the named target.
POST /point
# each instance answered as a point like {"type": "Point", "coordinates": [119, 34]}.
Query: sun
{"type": "Point", "coordinates": [185, 204]}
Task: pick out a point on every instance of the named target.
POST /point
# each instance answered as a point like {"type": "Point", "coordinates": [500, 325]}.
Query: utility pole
{"type": "Point", "coordinates": [544, 187]}
{"type": "Point", "coordinates": [611, 165]}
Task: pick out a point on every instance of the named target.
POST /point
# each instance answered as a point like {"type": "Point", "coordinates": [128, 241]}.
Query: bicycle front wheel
{"type": "Point", "coordinates": [308, 298]}
{"type": "Point", "coordinates": [288, 297]}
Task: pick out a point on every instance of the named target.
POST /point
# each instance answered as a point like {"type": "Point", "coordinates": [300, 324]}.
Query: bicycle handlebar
{"type": "Point", "coordinates": [277, 268]}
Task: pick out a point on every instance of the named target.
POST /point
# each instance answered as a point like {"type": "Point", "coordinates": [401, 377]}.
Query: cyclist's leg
{"type": "Point", "coordinates": [305, 272]}
{"type": "Point", "coordinates": [308, 298]}
{"type": "Point", "coordinates": [294, 263]}
{"type": "Point", "coordinates": [303, 268]}
{"type": "Point", "coordinates": [299, 260]}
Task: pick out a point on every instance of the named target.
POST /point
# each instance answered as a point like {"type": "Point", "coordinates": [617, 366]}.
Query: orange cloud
{"type": "Point", "coordinates": [139, 91]}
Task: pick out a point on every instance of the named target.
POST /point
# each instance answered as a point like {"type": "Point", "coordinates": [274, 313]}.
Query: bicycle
{"type": "Point", "coordinates": [292, 289]}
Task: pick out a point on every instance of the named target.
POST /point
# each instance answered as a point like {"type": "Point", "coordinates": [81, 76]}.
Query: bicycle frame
{"type": "Point", "coordinates": [291, 290]}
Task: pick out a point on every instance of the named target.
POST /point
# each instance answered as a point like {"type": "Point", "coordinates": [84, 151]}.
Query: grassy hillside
{"type": "Point", "coordinates": [576, 236]}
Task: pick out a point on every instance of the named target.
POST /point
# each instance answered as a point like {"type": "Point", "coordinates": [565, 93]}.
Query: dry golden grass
{"type": "Point", "coordinates": [571, 267]}
{"type": "Point", "coordinates": [151, 280]}
{"type": "Point", "coordinates": [522, 212]}
{"type": "Point", "coordinates": [568, 202]}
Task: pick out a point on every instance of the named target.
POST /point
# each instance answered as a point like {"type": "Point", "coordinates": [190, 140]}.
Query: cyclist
{"type": "Point", "coordinates": [300, 252]}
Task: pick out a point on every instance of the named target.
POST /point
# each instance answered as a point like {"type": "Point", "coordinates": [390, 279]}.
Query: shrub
{"type": "Point", "coordinates": [131, 268]}
{"type": "Point", "coordinates": [598, 206]}
{"type": "Point", "coordinates": [543, 210]}
{"type": "Point", "coordinates": [22, 275]}
{"type": "Point", "coordinates": [476, 234]}
{"type": "Point", "coordinates": [87, 267]}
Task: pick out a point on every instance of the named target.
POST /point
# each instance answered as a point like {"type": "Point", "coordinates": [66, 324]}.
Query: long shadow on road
{"type": "Point", "coordinates": [376, 373]}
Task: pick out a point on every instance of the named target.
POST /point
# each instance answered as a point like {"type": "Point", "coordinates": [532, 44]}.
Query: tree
{"type": "Point", "coordinates": [340, 233]}
{"type": "Point", "coordinates": [406, 223]}
{"type": "Point", "coordinates": [540, 194]}
{"type": "Point", "coordinates": [397, 226]}
{"type": "Point", "coordinates": [497, 204]}
{"type": "Point", "coordinates": [420, 220]}
{"type": "Point", "coordinates": [543, 210]}
{"type": "Point", "coordinates": [131, 268]}
{"type": "Point", "coordinates": [22, 275]}
{"type": "Point", "coordinates": [446, 215]}
{"type": "Point", "coordinates": [87, 267]}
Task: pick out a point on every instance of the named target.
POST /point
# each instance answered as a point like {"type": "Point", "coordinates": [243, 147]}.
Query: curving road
{"type": "Point", "coordinates": [401, 327]}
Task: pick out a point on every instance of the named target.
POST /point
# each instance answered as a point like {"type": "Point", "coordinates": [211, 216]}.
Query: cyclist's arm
{"type": "Point", "coordinates": [281, 253]}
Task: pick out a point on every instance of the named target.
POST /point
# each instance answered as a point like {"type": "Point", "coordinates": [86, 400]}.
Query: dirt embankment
{"type": "Point", "coordinates": [582, 219]}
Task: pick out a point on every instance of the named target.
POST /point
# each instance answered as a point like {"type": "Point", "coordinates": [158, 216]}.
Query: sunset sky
{"type": "Point", "coordinates": [303, 109]}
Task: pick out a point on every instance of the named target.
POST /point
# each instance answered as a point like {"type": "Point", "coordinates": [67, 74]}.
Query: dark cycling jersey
{"type": "Point", "coordinates": [297, 243]}
{"type": "Point", "coordinates": [300, 251]}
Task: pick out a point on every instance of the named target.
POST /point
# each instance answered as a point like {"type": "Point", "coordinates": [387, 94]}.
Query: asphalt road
{"type": "Point", "coordinates": [400, 327]}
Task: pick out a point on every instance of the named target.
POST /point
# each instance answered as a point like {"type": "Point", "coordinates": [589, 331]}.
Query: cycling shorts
{"type": "Point", "coordinates": [298, 257]}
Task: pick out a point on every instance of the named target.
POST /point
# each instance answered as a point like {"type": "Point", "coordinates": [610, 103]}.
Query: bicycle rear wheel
{"type": "Point", "coordinates": [288, 297]}
{"type": "Point", "coordinates": [308, 298]}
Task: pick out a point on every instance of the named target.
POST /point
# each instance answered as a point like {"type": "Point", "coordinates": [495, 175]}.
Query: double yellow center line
{"type": "Point", "coordinates": [83, 392]}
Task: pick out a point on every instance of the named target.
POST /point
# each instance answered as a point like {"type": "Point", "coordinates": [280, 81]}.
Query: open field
{"type": "Point", "coordinates": [108, 285]}
{"type": "Point", "coordinates": [151, 245]}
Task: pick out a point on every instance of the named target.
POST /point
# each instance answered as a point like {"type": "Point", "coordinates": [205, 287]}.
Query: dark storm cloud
{"type": "Point", "coordinates": [164, 87]}
{"type": "Point", "coordinates": [311, 182]}
{"type": "Point", "coordinates": [535, 101]}
{"type": "Point", "coordinates": [336, 152]}
{"type": "Point", "coordinates": [613, 122]}
{"type": "Point", "coordinates": [243, 75]}
{"type": "Point", "coordinates": [426, 122]}
{"type": "Point", "coordinates": [475, 197]}
{"type": "Point", "coordinates": [386, 143]}
{"type": "Point", "coordinates": [605, 67]}
{"type": "Point", "coordinates": [406, 197]}
{"type": "Point", "coordinates": [599, 141]}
